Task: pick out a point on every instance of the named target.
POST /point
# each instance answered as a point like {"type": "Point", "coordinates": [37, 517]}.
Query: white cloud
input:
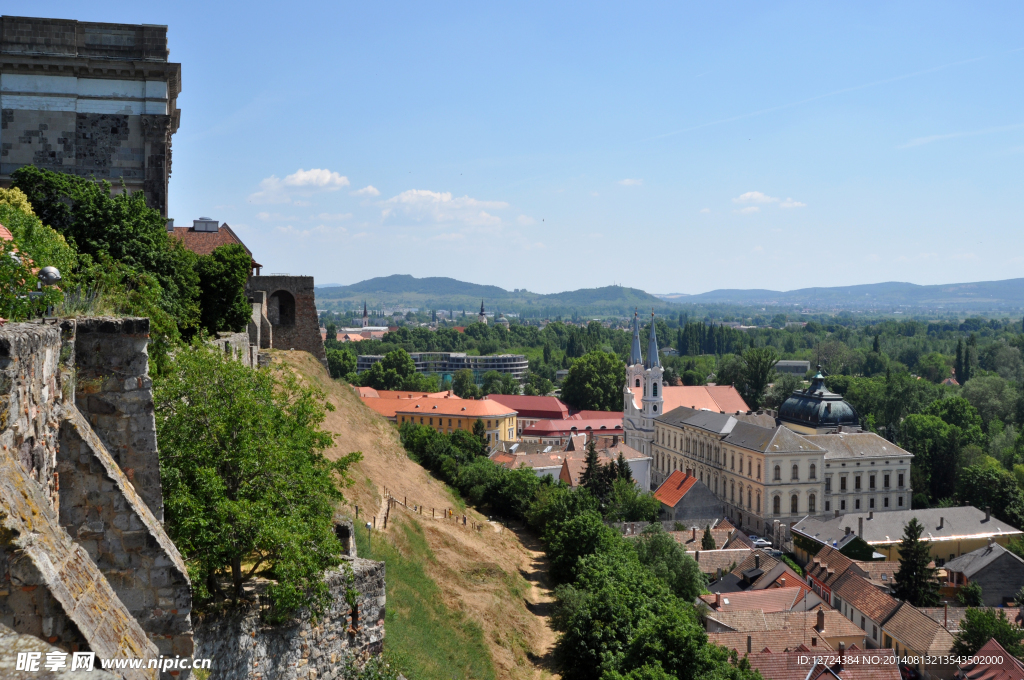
{"type": "Point", "coordinates": [748, 210]}
{"type": "Point", "coordinates": [333, 217]}
{"type": "Point", "coordinates": [705, 210]}
{"type": "Point", "coordinates": [368, 190]}
{"type": "Point", "coordinates": [754, 197]}
{"type": "Point", "coordinates": [790, 203]}
{"type": "Point", "coordinates": [631, 182]}
{"type": "Point", "coordinates": [526, 220]}
{"type": "Point", "coordinates": [277, 217]}
{"type": "Point", "coordinates": [423, 204]}
{"type": "Point", "coordinates": [302, 183]}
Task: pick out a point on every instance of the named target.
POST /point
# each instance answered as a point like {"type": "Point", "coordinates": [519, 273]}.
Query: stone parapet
{"type": "Point", "coordinates": [243, 648]}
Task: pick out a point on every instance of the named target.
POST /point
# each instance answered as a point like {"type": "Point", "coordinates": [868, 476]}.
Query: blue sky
{"type": "Point", "coordinates": [553, 146]}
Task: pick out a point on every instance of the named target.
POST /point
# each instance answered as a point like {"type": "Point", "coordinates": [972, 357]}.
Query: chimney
{"type": "Point", "coordinates": [719, 574]}
{"type": "Point", "coordinates": [696, 556]}
{"type": "Point", "coordinates": [942, 522]}
{"type": "Point", "coordinates": [860, 527]}
{"type": "Point", "coordinates": [847, 531]}
{"type": "Point", "coordinates": [988, 512]}
{"type": "Point", "coordinates": [842, 653]}
{"type": "Point", "coordinates": [782, 581]}
{"type": "Point", "coordinates": [748, 644]}
{"type": "Point", "coordinates": [821, 621]}
{"type": "Point", "coordinates": [757, 561]}
{"type": "Point", "coordinates": [693, 533]}
{"type": "Point", "coordinates": [718, 599]}
{"type": "Point", "coordinates": [871, 515]}
{"type": "Point", "coordinates": [945, 615]}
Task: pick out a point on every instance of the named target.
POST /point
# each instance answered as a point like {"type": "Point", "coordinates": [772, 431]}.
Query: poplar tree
{"type": "Point", "coordinates": [958, 363]}
{"type": "Point", "coordinates": [707, 541]}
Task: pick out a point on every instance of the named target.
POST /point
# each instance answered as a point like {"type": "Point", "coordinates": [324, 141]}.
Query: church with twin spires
{"type": "Point", "coordinates": [643, 393]}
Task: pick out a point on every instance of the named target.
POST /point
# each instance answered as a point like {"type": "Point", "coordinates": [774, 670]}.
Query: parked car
{"type": "Point", "coordinates": [761, 543]}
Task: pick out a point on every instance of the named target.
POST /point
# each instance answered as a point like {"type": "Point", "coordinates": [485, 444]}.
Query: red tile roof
{"type": "Point", "coordinates": [769, 600]}
{"type": "Point", "coordinates": [774, 664]}
{"type": "Point", "coordinates": [5, 233]}
{"type": "Point", "coordinates": [1009, 668]}
{"type": "Point", "coordinates": [563, 428]}
{"type": "Point", "coordinates": [828, 565]}
{"type": "Point", "coordinates": [205, 242]}
{"type": "Point", "coordinates": [597, 415]}
{"type": "Point", "coordinates": [547, 408]}
{"type": "Point", "coordinates": [717, 398]}
{"type": "Point", "coordinates": [674, 488]}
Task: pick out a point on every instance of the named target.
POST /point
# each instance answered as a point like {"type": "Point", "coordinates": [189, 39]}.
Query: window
{"type": "Point", "coordinates": [759, 471]}
{"type": "Point", "coordinates": [778, 473]}
{"type": "Point", "coordinates": [828, 485]}
{"type": "Point", "coordinates": [874, 632]}
{"type": "Point", "coordinates": [871, 482]}
{"type": "Point", "coordinates": [842, 483]}
{"type": "Point", "coordinates": [810, 504]}
{"type": "Point", "coordinates": [871, 504]}
{"type": "Point", "coordinates": [842, 505]}
{"type": "Point", "coordinates": [885, 481]}
{"type": "Point", "coordinates": [856, 483]}
{"type": "Point", "coordinates": [488, 423]}
{"type": "Point", "coordinates": [732, 491]}
{"type": "Point", "coordinates": [431, 421]}
{"type": "Point", "coordinates": [862, 624]}
{"type": "Point", "coordinates": [748, 467]}
{"type": "Point", "coordinates": [814, 472]}
{"type": "Point", "coordinates": [777, 505]}
{"type": "Point", "coordinates": [828, 505]}
{"type": "Point", "coordinates": [488, 436]}
{"type": "Point", "coordinates": [654, 390]}
{"type": "Point", "coordinates": [794, 502]}
{"type": "Point", "coordinates": [796, 473]}
{"type": "Point", "coordinates": [732, 462]}
{"type": "Point", "coordinates": [899, 501]}
{"type": "Point", "coordinates": [758, 501]}
{"type": "Point", "coordinates": [899, 480]}
{"type": "Point", "coordinates": [638, 382]}
{"type": "Point", "coordinates": [749, 498]}
{"type": "Point", "coordinates": [885, 502]}
{"type": "Point", "coordinates": [856, 504]}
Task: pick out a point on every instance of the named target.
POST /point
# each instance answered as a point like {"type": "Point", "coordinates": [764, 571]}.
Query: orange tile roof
{"type": "Point", "coordinates": [828, 565]}
{"type": "Point", "coordinates": [710, 561]}
{"type": "Point", "coordinates": [5, 233]}
{"type": "Point", "coordinates": [401, 394]}
{"type": "Point", "coordinates": [462, 408]}
{"type": "Point", "coordinates": [866, 598]}
{"type": "Point", "coordinates": [674, 488]}
{"type": "Point", "coordinates": [205, 242]}
{"type": "Point", "coordinates": [1009, 668]}
{"type": "Point", "coordinates": [711, 397]}
{"type": "Point", "coordinates": [918, 631]}
{"type": "Point", "coordinates": [562, 428]}
{"type": "Point", "coordinates": [776, 664]}
{"type": "Point", "coordinates": [769, 600]}
{"type": "Point", "coordinates": [598, 415]}
{"type": "Point", "coordinates": [775, 640]}
{"type": "Point", "coordinates": [549, 408]}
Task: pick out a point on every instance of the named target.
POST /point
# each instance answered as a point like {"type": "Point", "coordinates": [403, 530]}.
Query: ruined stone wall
{"type": "Point", "coordinates": [114, 393]}
{"type": "Point", "coordinates": [243, 648]}
{"type": "Point", "coordinates": [238, 346]}
{"type": "Point", "coordinates": [91, 99]}
{"type": "Point", "coordinates": [291, 311]}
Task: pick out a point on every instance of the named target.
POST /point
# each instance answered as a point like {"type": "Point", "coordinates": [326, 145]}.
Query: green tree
{"type": "Point", "coordinates": [247, 490]}
{"type": "Point", "coordinates": [784, 386]}
{"type": "Point", "coordinates": [222, 276]}
{"type": "Point", "coordinates": [933, 367]}
{"type": "Point", "coordinates": [970, 595]}
{"type": "Point", "coordinates": [626, 503]}
{"type": "Point", "coordinates": [959, 412]}
{"type": "Point", "coordinates": [340, 362]}
{"type": "Point", "coordinates": [992, 487]}
{"type": "Point", "coordinates": [915, 581]}
{"type": "Point", "coordinates": [595, 382]}
{"type": "Point", "coordinates": [992, 397]}
{"type": "Point", "coordinates": [537, 386]}
{"type": "Point", "coordinates": [758, 371]}
{"type": "Point", "coordinates": [463, 384]}
{"type": "Point", "coordinates": [479, 431]}
{"type": "Point", "coordinates": [668, 561]}
{"type": "Point", "coordinates": [577, 537]}
{"type": "Point", "coordinates": [707, 541]}
{"type": "Point", "coordinates": [981, 625]}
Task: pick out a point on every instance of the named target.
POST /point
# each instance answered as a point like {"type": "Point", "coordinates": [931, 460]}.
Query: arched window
{"type": "Point", "coordinates": [796, 472]}
{"type": "Point", "coordinates": [749, 463]}
{"type": "Point", "coordinates": [758, 502]}
{"type": "Point", "coordinates": [732, 491]}
{"type": "Point", "coordinates": [794, 502]}
{"type": "Point", "coordinates": [778, 473]}
{"type": "Point", "coordinates": [777, 505]}
{"type": "Point", "coordinates": [814, 471]}
{"type": "Point", "coordinates": [759, 471]}
{"type": "Point", "coordinates": [654, 389]}
{"type": "Point", "coordinates": [748, 498]}
{"type": "Point", "coordinates": [281, 309]}
{"type": "Point", "coordinates": [810, 504]}
{"type": "Point", "coordinates": [716, 486]}
{"type": "Point", "coordinates": [638, 382]}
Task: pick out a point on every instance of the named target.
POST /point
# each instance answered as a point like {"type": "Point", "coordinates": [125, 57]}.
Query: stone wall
{"type": "Point", "coordinates": [290, 308]}
{"type": "Point", "coordinates": [114, 393]}
{"type": "Point", "coordinates": [238, 346]}
{"type": "Point", "coordinates": [243, 648]}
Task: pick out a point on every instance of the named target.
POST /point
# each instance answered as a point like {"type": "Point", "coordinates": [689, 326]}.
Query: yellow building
{"type": "Point", "coordinates": [448, 415]}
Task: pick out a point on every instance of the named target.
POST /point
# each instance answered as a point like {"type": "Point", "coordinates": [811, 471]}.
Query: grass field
{"type": "Point", "coordinates": [425, 639]}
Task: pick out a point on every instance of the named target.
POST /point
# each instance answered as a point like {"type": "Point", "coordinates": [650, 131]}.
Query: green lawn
{"type": "Point", "coordinates": [423, 638]}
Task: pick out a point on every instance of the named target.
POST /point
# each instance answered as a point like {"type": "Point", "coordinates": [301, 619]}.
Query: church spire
{"type": "Point", "coordinates": [652, 347]}
{"type": "Point", "coordinates": [635, 357]}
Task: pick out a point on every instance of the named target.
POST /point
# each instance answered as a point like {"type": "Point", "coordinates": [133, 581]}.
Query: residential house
{"type": "Point", "coordinates": [387, 403]}
{"type": "Point", "coordinates": [825, 569]}
{"type": "Point", "coordinates": [993, 663]}
{"type": "Point", "coordinates": [683, 496]}
{"type": "Point", "coordinates": [558, 432]}
{"type": "Point", "coordinates": [532, 409]}
{"type": "Point", "coordinates": [911, 633]}
{"type": "Point", "coordinates": [999, 572]}
{"type": "Point", "coordinates": [950, 618]}
{"type": "Point", "coordinates": [855, 598]}
{"type": "Point", "coordinates": [713, 562]}
{"type": "Point", "coordinates": [827, 625]}
{"type": "Point", "coordinates": [856, 664]}
{"type": "Point", "coordinates": [767, 600]}
{"type": "Point", "coordinates": [950, 532]}
{"type": "Point", "coordinates": [575, 463]}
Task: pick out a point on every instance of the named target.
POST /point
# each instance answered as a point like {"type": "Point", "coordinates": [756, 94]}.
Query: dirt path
{"type": "Point", "coordinates": [540, 599]}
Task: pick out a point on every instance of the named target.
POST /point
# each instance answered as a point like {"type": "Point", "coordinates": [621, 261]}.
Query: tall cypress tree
{"type": "Point", "coordinates": [623, 471]}
{"type": "Point", "coordinates": [915, 582]}
{"type": "Point", "coordinates": [877, 346]}
{"type": "Point", "coordinates": [959, 362]}
{"type": "Point", "coordinates": [707, 541]}
{"type": "Point", "coordinates": [591, 475]}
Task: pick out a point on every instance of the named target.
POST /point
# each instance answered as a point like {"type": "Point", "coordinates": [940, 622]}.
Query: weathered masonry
{"type": "Point", "coordinates": [284, 314]}
{"type": "Point", "coordinates": [85, 563]}
{"type": "Point", "coordinates": [90, 99]}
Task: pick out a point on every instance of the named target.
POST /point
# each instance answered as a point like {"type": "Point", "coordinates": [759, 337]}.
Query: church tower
{"type": "Point", "coordinates": [653, 393]}
{"type": "Point", "coordinates": [366, 315]}
{"type": "Point", "coordinates": [642, 395]}
{"type": "Point", "coordinates": [483, 317]}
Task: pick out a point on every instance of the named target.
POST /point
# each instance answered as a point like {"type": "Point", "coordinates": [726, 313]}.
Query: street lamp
{"type": "Point", "coordinates": [369, 536]}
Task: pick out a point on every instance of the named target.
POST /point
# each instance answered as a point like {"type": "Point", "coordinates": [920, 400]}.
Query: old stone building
{"type": "Point", "coordinates": [90, 99]}
{"type": "Point", "coordinates": [284, 314]}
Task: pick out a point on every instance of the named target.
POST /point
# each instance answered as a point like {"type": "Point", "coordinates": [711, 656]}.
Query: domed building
{"type": "Point", "coordinates": [816, 410]}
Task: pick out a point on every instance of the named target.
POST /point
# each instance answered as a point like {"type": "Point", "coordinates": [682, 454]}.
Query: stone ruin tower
{"type": "Point", "coordinates": [284, 314]}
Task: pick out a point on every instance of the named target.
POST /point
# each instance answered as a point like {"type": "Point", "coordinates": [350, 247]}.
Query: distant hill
{"type": "Point", "coordinates": [982, 295]}
{"type": "Point", "coordinates": [402, 290]}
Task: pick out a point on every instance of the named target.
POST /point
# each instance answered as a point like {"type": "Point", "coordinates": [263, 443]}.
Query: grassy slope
{"type": "Point", "coordinates": [459, 601]}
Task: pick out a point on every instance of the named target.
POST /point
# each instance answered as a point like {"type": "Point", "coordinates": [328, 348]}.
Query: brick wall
{"type": "Point", "coordinates": [291, 311]}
